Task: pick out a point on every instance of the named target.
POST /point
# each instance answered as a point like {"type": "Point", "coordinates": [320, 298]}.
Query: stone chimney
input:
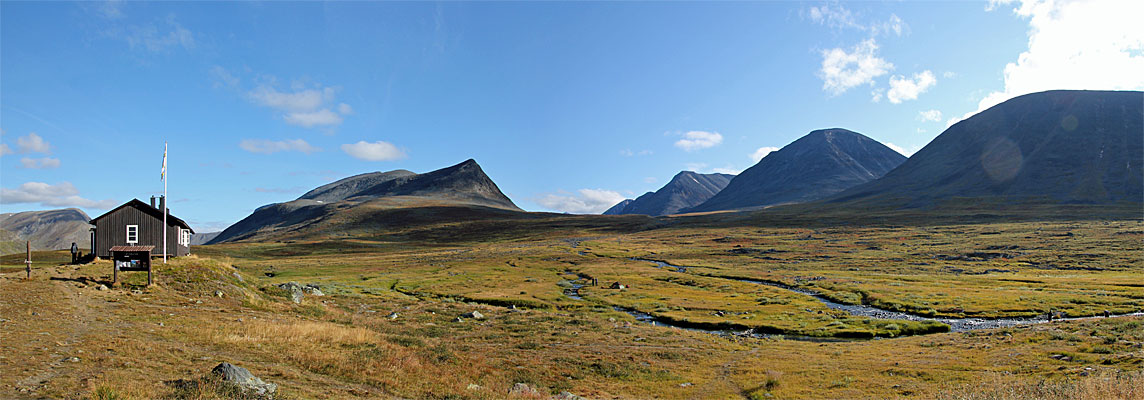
{"type": "Point", "coordinates": [162, 203]}
{"type": "Point", "coordinates": [153, 202]}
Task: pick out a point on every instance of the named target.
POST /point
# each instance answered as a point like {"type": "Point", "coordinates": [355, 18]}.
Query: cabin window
{"type": "Point", "coordinates": [132, 234]}
{"type": "Point", "coordinates": [185, 237]}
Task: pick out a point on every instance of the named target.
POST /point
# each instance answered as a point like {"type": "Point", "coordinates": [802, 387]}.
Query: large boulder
{"type": "Point", "coordinates": [242, 378]}
{"type": "Point", "coordinates": [294, 290]}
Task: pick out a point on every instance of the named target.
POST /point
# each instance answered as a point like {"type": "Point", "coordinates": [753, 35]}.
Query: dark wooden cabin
{"type": "Point", "coordinates": [136, 223]}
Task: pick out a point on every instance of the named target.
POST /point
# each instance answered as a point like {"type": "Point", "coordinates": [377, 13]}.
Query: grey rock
{"type": "Point", "coordinates": [242, 378]}
{"type": "Point", "coordinates": [392, 316]}
{"type": "Point", "coordinates": [522, 389]}
{"type": "Point", "coordinates": [219, 293]}
{"type": "Point", "coordinates": [473, 386]}
{"type": "Point", "coordinates": [102, 287]}
{"type": "Point", "coordinates": [474, 315]}
{"type": "Point", "coordinates": [294, 289]}
{"type": "Point", "coordinates": [567, 396]}
{"type": "Point", "coordinates": [312, 290]}
{"type": "Point", "coordinates": [71, 359]}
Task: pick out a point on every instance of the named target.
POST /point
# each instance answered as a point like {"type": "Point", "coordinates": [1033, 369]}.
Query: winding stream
{"type": "Point", "coordinates": [955, 324]}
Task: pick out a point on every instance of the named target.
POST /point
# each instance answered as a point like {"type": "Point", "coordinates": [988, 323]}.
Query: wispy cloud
{"type": "Point", "coordinates": [842, 69]}
{"type": "Point", "coordinates": [585, 201]}
{"type": "Point", "coordinates": [160, 36]}
{"type": "Point", "coordinates": [901, 150]}
{"type": "Point", "coordinates": [375, 151]}
{"type": "Point", "coordinates": [929, 115]}
{"type": "Point", "coordinates": [630, 153]}
{"type": "Point", "coordinates": [835, 16]}
{"type": "Point", "coordinates": [263, 146]}
{"type": "Point", "coordinates": [40, 163]}
{"type": "Point", "coordinates": [5, 150]}
{"type": "Point", "coordinates": [305, 107]}
{"type": "Point", "coordinates": [903, 89]}
{"type": "Point", "coordinates": [697, 140]}
{"type": "Point", "coordinates": [63, 194]}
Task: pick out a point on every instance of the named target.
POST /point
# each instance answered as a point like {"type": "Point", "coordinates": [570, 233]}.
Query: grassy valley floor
{"type": "Point", "coordinates": [387, 325]}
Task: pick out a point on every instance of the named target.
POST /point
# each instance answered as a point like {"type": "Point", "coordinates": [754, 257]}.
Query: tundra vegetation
{"type": "Point", "coordinates": [388, 324]}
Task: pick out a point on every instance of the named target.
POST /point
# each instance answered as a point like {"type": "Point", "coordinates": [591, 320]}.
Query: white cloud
{"type": "Point", "coordinates": [587, 201]}
{"type": "Point", "coordinates": [902, 88]}
{"type": "Point", "coordinates": [156, 38]}
{"type": "Point", "coordinates": [33, 143]}
{"type": "Point", "coordinates": [40, 163]}
{"type": "Point", "coordinates": [1096, 45]}
{"type": "Point", "coordinates": [726, 170]}
{"type": "Point", "coordinates": [842, 70]}
{"type": "Point", "coordinates": [696, 140]}
{"type": "Point", "coordinates": [305, 107]}
{"type": "Point", "coordinates": [300, 101]}
{"type": "Point", "coordinates": [264, 146]}
{"type": "Point", "coordinates": [762, 152]}
{"type": "Point", "coordinates": [311, 119]}
{"type": "Point", "coordinates": [838, 17]}
{"type": "Point", "coordinates": [929, 115]}
{"type": "Point", "coordinates": [376, 151]}
{"type": "Point", "coordinates": [901, 150]}
{"type": "Point", "coordinates": [5, 150]}
{"type": "Point", "coordinates": [63, 194]}
{"type": "Point", "coordinates": [224, 78]}
{"type": "Point", "coordinates": [629, 153]}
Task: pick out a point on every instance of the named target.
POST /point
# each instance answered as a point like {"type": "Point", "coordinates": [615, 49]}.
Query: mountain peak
{"type": "Point", "coordinates": [686, 189]}
{"type": "Point", "coordinates": [819, 164]}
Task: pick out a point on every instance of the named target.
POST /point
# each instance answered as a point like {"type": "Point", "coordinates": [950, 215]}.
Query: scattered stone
{"type": "Point", "coordinates": [473, 386]}
{"type": "Point", "coordinates": [617, 285]}
{"type": "Point", "coordinates": [522, 389]}
{"type": "Point", "coordinates": [219, 293]}
{"type": "Point", "coordinates": [242, 378]}
{"type": "Point", "coordinates": [102, 287]}
{"type": "Point", "coordinates": [458, 320]}
{"type": "Point", "coordinates": [392, 315]}
{"type": "Point", "coordinates": [238, 276]}
{"type": "Point", "coordinates": [685, 384]}
{"type": "Point", "coordinates": [567, 396]}
{"type": "Point", "coordinates": [71, 359]}
{"type": "Point", "coordinates": [294, 290]}
{"type": "Point", "coordinates": [312, 290]}
{"type": "Point", "coordinates": [474, 315]}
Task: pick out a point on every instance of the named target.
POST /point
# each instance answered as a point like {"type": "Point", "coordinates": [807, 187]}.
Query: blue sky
{"type": "Point", "coordinates": [567, 106]}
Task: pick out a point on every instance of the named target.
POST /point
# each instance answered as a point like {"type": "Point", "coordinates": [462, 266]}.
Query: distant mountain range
{"type": "Point", "coordinates": [1060, 146]}
{"type": "Point", "coordinates": [822, 163]}
{"type": "Point", "coordinates": [464, 185]}
{"type": "Point", "coordinates": [46, 230]}
{"type": "Point", "coordinates": [198, 239]}
{"type": "Point", "coordinates": [686, 189]}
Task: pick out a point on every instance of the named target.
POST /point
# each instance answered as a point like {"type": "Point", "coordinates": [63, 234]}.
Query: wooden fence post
{"type": "Point", "coordinates": [28, 260]}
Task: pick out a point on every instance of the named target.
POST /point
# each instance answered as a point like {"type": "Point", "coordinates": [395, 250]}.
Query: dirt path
{"type": "Point", "coordinates": [43, 322]}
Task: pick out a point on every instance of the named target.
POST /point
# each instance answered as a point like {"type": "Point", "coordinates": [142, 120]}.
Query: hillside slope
{"type": "Point", "coordinates": [686, 189]}
{"type": "Point", "coordinates": [47, 230]}
{"type": "Point", "coordinates": [822, 163]}
{"type": "Point", "coordinates": [463, 185]}
{"type": "Point", "coordinates": [1083, 147]}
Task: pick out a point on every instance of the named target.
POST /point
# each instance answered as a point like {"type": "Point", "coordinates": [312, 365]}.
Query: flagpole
{"type": "Point", "coordinates": [165, 227]}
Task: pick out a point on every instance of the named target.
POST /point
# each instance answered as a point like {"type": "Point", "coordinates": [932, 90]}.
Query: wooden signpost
{"type": "Point", "coordinates": [28, 260]}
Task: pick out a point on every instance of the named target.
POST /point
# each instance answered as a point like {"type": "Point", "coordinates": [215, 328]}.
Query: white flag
{"type": "Point", "coordinates": [163, 173]}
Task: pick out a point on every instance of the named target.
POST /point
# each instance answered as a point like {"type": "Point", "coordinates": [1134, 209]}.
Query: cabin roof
{"type": "Point", "coordinates": [146, 208]}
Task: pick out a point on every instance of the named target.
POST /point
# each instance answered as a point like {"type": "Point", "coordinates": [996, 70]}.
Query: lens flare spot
{"type": "Point", "coordinates": [1069, 123]}
{"type": "Point", "coordinates": [1002, 160]}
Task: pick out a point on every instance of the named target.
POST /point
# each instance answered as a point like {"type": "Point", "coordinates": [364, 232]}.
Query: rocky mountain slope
{"type": "Point", "coordinates": [1080, 147]}
{"type": "Point", "coordinates": [813, 167]}
{"type": "Point", "coordinates": [686, 189]}
{"type": "Point", "coordinates": [464, 184]}
{"type": "Point", "coordinates": [47, 230]}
